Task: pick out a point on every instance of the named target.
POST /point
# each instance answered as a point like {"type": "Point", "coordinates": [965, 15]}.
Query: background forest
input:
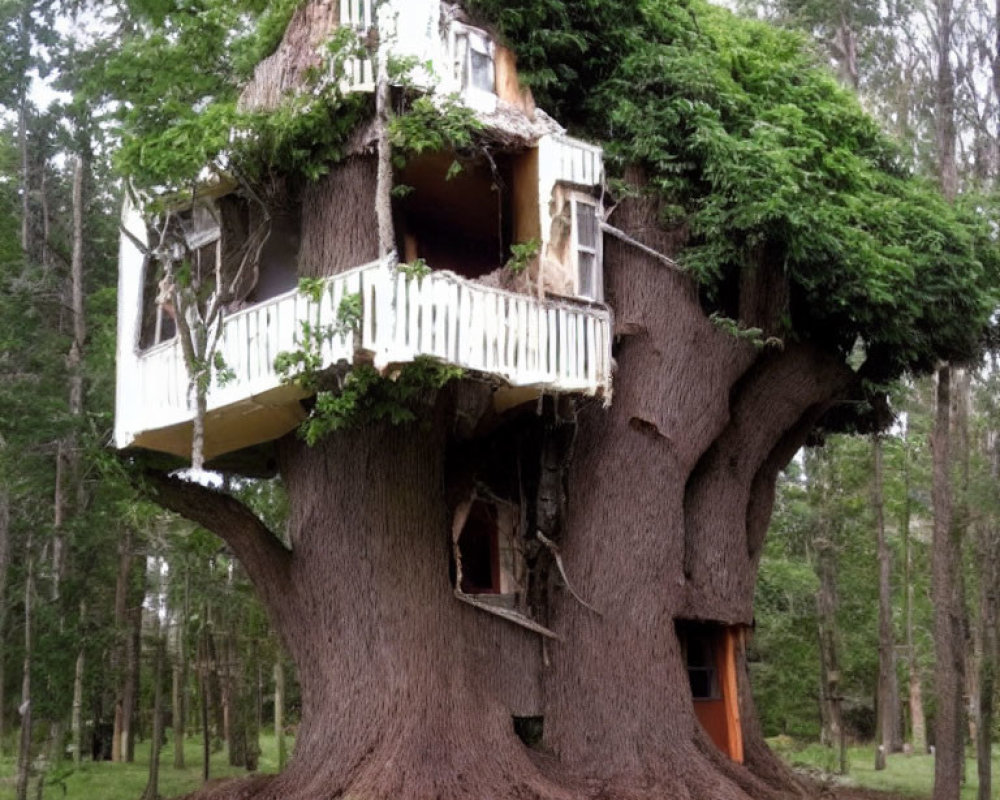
{"type": "Point", "coordinates": [119, 620]}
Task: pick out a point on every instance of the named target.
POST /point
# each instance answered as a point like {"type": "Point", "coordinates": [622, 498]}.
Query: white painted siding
{"type": "Point", "coordinates": [556, 346]}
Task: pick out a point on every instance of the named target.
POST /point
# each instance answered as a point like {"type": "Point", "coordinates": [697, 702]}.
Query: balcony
{"type": "Point", "coordinates": [514, 339]}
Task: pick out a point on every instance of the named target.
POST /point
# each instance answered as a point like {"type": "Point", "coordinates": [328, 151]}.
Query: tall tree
{"type": "Point", "coordinates": [887, 695]}
{"type": "Point", "coordinates": [668, 492]}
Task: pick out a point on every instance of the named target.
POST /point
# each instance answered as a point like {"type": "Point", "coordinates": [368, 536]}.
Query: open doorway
{"type": "Point", "coordinates": [709, 652]}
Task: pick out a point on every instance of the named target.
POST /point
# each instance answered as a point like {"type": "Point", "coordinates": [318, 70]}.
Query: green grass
{"type": "Point", "coordinates": [911, 776]}
{"type": "Point", "coordinates": [106, 781]}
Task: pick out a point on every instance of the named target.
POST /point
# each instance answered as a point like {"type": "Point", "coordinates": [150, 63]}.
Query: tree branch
{"type": "Point", "coordinates": [259, 550]}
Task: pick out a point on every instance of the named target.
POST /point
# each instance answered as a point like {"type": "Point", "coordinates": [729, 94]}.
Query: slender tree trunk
{"type": "Point", "coordinates": [949, 670]}
{"type": "Point", "coordinates": [989, 597]}
{"type": "Point", "coordinates": [4, 564]}
{"type": "Point", "coordinates": [76, 719]}
{"type": "Point", "coordinates": [826, 607]}
{"type": "Point", "coordinates": [152, 791]}
{"type": "Point", "coordinates": [24, 748]}
{"type": "Point", "coordinates": [206, 734]}
{"type": "Point", "coordinates": [119, 656]}
{"type": "Point", "coordinates": [133, 656]}
{"type": "Point", "coordinates": [177, 703]}
{"type": "Point", "coordinates": [887, 691]}
{"type": "Point", "coordinates": [918, 725]}
{"type": "Point", "coordinates": [944, 99]}
{"type": "Point", "coordinates": [383, 189]}
{"type": "Point", "coordinates": [279, 712]}
{"type": "Point", "coordinates": [22, 137]}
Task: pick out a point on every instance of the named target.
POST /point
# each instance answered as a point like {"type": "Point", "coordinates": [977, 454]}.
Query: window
{"type": "Point", "coordinates": [586, 247]}
{"type": "Point", "coordinates": [702, 669]}
{"type": "Point", "coordinates": [479, 551]}
{"type": "Point", "coordinates": [474, 64]}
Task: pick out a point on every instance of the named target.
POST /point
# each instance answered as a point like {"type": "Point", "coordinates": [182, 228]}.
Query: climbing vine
{"type": "Point", "coordinates": [348, 395]}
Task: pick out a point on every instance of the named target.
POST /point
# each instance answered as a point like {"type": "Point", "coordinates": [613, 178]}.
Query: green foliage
{"type": "Point", "coordinates": [737, 330]}
{"type": "Point", "coordinates": [365, 397]}
{"type": "Point", "coordinates": [752, 147]}
{"type": "Point", "coordinates": [303, 366]}
{"type": "Point", "coordinates": [521, 255]}
{"type": "Point", "coordinates": [176, 83]}
{"type": "Point", "coordinates": [303, 137]}
{"type": "Point", "coordinates": [266, 36]}
{"type": "Point", "coordinates": [432, 125]}
{"type": "Point", "coordinates": [416, 269]}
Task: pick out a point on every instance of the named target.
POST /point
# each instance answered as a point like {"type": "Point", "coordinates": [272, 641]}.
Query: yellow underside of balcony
{"type": "Point", "coordinates": [249, 422]}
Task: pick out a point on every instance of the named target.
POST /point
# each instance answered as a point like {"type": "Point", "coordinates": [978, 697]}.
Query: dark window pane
{"type": "Point", "coordinates": [482, 70]}
{"type": "Point", "coordinates": [586, 225]}
{"type": "Point", "coordinates": [586, 265]}
{"type": "Point", "coordinates": [702, 683]}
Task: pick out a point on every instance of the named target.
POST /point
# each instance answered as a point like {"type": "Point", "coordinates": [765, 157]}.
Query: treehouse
{"type": "Point", "coordinates": [496, 268]}
{"type": "Point", "coordinates": [503, 246]}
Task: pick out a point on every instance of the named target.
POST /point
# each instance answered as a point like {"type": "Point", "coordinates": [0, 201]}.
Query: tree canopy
{"type": "Point", "coordinates": [765, 162]}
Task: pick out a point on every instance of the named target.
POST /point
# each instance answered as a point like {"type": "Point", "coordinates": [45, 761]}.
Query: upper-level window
{"type": "Point", "coordinates": [586, 247]}
{"type": "Point", "coordinates": [474, 60]}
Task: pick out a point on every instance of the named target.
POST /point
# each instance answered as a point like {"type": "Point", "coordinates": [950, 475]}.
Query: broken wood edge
{"type": "Point", "coordinates": [553, 548]}
{"type": "Point", "coordinates": [508, 614]}
{"type": "Point", "coordinates": [624, 237]}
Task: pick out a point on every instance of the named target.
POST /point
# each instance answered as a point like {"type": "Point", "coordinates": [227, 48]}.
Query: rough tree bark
{"type": "Point", "coordinates": [669, 497]}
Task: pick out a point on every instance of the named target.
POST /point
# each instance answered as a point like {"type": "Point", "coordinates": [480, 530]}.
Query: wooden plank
{"type": "Point", "coordinates": [522, 336]}
{"type": "Point", "coordinates": [453, 318]}
{"type": "Point", "coordinates": [730, 693]}
{"type": "Point", "coordinates": [441, 295]}
{"type": "Point", "coordinates": [592, 353]}
{"type": "Point", "coordinates": [564, 345]}
{"type": "Point", "coordinates": [412, 317]}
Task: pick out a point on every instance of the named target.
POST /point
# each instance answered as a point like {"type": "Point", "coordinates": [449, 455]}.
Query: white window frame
{"type": "Point", "coordinates": [461, 64]}
{"type": "Point", "coordinates": [597, 278]}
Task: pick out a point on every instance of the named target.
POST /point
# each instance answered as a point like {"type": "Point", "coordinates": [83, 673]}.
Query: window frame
{"type": "Point", "coordinates": [597, 276]}
{"type": "Point", "coordinates": [476, 39]}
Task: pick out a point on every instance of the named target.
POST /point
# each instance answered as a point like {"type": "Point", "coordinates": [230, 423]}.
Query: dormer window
{"type": "Point", "coordinates": [474, 64]}
{"type": "Point", "coordinates": [200, 226]}
{"type": "Point", "coordinates": [586, 249]}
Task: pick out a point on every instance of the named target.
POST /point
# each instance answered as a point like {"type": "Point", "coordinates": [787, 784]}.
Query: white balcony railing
{"type": "Point", "coordinates": [557, 346]}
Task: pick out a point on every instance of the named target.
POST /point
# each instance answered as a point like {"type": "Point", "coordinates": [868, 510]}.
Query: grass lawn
{"type": "Point", "coordinates": [106, 781]}
{"type": "Point", "coordinates": [912, 776]}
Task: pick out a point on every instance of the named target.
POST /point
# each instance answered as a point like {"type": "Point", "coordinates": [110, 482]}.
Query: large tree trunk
{"type": "Point", "coordinates": [407, 692]}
